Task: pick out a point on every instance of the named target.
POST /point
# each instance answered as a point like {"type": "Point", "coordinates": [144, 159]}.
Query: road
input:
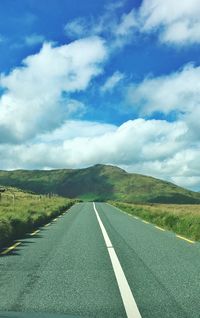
{"type": "Point", "coordinates": [65, 268]}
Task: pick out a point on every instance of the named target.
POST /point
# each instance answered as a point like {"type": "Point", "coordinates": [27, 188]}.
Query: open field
{"type": "Point", "coordinates": [181, 219]}
{"type": "Point", "coordinates": [21, 212]}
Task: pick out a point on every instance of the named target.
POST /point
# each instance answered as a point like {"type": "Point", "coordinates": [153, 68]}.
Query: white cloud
{"type": "Point", "coordinates": [33, 101]}
{"type": "Point", "coordinates": [127, 24]}
{"type": "Point", "coordinates": [179, 91]}
{"type": "Point", "coordinates": [113, 6]}
{"type": "Point", "coordinates": [177, 21]}
{"type": "Point", "coordinates": [74, 106]}
{"type": "Point", "coordinates": [116, 28]}
{"type": "Point", "coordinates": [112, 81]}
{"type": "Point", "coordinates": [77, 28]}
{"type": "Point", "coordinates": [152, 147]}
{"type": "Point", "coordinates": [191, 182]}
{"type": "Point", "coordinates": [76, 128]}
{"type": "Point", "coordinates": [177, 94]}
{"type": "Point", "coordinates": [34, 39]}
{"type": "Point", "coordinates": [81, 143]}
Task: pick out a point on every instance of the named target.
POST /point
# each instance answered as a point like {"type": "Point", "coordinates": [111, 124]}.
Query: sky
{"type": "Point", "coordinates": [109, 82]}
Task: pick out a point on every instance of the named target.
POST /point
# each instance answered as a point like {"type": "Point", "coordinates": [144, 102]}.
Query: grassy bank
{"type": "Point", "coordinates": [181, 219]}
{"type": "Point", "coordinates": [21, 212]}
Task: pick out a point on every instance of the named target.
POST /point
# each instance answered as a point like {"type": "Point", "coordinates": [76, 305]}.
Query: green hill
{"type": "Point", "coordinates": [99, 182]}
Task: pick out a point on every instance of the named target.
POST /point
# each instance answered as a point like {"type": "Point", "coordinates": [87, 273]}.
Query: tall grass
{"type": "Point", "coordinates": [22, 212]}
{"type": "Point", "coordinates": [181, 219]}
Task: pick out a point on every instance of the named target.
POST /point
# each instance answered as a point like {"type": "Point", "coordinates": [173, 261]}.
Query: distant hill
{"type": "Point", "coordinates": [99, 182]}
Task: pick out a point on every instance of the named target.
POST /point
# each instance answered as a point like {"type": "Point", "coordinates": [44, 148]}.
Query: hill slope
{"type": "Point", "coordinates": [100, 182]}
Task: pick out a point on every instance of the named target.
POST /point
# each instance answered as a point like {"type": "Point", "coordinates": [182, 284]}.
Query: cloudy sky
{"type": "Point", "coordinates": [111, 82]}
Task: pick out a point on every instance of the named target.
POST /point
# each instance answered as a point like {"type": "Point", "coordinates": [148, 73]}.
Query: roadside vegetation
{"type": "Point", "coordinates": [21, 212]}
{"type": "Point", "coordinates": [181, 219]}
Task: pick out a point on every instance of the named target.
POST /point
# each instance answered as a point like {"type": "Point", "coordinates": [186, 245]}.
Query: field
{"type": "Point", "coordinates": [21, 212]}
{"type": "Point", "coordinates": [181, 219]}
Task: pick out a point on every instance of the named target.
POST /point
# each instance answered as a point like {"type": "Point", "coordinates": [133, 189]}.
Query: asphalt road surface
{"type": "Point", "coordinates": [95, 261]}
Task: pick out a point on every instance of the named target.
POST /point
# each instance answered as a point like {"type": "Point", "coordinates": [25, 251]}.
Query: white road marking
{"type": "Point", "coordinates": [185, 239]}
{"type": "Point", "coordinates": [146, 222]}
{"type": "Point", "coordinates": [124, 288]}
{"type": "Point", "coordinates": [105, 235]}
{"type": "Point", "coordinates": [160, 228]}
{"type": "Point", "coordinates": [10, 248]}
{"type": "Point", "coordinates": [35, 232]}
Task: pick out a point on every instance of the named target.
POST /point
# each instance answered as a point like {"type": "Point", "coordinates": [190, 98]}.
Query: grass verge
{"type": "Point", "coordinates": [22, 212]}
{"type": "Point", "coordinates": [181, 219]}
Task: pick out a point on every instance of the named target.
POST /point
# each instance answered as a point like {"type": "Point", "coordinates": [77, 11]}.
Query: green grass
{"type": "Point", "coordinates": [27, 212]}
{"type": "Point", "coordinates": [181, 219]}
{"type": "Point", "coordinates": [100, 183]}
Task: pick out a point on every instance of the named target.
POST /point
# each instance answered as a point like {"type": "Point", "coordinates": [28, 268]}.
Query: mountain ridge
{"type": "Point", "coordinates": [100, 183]}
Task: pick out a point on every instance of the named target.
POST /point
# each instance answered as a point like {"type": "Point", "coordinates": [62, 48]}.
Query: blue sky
{"type": "Point", "coordinates": [112, 82]}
